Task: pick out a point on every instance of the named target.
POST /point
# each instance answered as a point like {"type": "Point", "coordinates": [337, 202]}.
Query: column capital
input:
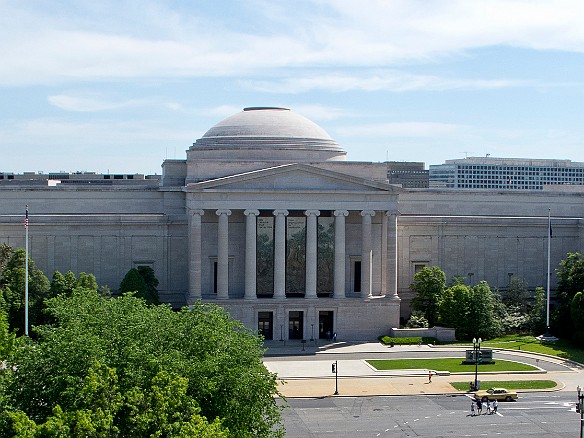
{"type": "Point", "coordinates": [280, 212]}
{"type": "Point", "coordinates": [251, 212]}
{"type": "Point", "coordinates": [312, 213]}
{"type": "Point", "coordinates": [368, 213]}
{"type": "Point", "coordinates": [341, 213]}
{"type": "Point", "coordinates": [197, 212]}
{"type": "Point", "coordinates": [224, 211]}
{"type": "Point", "coordinates": [392, 213]}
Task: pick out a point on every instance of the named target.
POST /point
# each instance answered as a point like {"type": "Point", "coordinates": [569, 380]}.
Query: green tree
{"type": "Point", "coordinates": [215, 359]}
{"type": "Point", "coordinates": [163, 410]}
{"type": "Point", "coordinates": [570, 281]}
{"type": "Point", "coordinates": [429, 286]}
{"type": "Point", "coordinates": [538, 314]}
{"type": "Point", "coordinates": [12, 285]}
{"type": "Point", "coordinates": [481, 319]}
{"type": "Point", "coordinates": [134, 281]}
{"type": "Point", "coordinates": [6, 252]}
{"type": "Point", "coordinates": [571, 274]}
{"type": "Point", "coordinates": [471, 311]}
{"type": "Point", "coordinates": [454, 308]}
{"type": "Point", "coordinates": [517, 294]}
{"type": "Point", "coordinates": [417, 320]}
{"type": "Point", "coordinates": [577, 314]}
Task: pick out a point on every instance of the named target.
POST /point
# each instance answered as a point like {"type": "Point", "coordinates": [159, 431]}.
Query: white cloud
{"type": "Point", "coordinates": [41, 47]}
{"type": "Point", "coordinates": [403, 129]}
{"type": "Point", "coordinates": [385, 80]}
{"type": "Point", "coordinates": [88, 103]}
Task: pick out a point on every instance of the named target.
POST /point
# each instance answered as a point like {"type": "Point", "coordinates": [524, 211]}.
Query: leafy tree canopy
{"type": "Point", "coordinates": [428, 285]}
{"type": "Point", "coordinates": [571, 274]}
{"type": "Point", "coordinates": [142, 281]}
{"type": "Point", "coordinates": [12, 285]}
{"type": "Point", "coordinates": [121, 364]}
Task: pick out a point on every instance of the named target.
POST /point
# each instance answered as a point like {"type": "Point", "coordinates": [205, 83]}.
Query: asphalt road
{"type": "Point", "coordinates": [540, 414]}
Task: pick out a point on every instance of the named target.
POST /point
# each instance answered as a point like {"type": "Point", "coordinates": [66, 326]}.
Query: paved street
{"type": "Point", "coordinates": [549, 414]}
{"type": "Point", "coordinates": [404, 404]}
{"type": "Point", "coordinates": [307, 373]}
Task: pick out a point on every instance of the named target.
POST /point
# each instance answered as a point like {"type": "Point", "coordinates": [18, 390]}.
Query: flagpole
{"type": "Point", "coordinates": [547, 321]}
{"type": "Point", "coordinates": [26, 273]}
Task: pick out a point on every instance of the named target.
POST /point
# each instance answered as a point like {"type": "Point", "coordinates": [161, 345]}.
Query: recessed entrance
{"type": "Point", "coordinates": [295, 325]}
{"type": "Point", "coordinates": [325, 324]}
{"type": "Point", "coordinates": [266, 325]}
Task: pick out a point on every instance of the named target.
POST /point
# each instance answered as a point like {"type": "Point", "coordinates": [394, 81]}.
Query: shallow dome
{"type": "Point", "coordinates": [261, 133]}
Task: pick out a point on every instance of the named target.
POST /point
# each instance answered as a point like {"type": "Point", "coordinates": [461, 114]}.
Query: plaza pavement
{"type": "Point", "coordinates": [306, 370]}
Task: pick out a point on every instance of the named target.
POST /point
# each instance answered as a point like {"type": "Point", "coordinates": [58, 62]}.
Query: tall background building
{"type": "Point", "coordinates": [505, 173]}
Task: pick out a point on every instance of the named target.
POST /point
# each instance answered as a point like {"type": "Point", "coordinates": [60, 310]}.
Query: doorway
{"type": "Point", "coordinates": [325, 324]}
{"type": "Point", "coordinates": [295, 325]}
{"type": "Point", "coordinates": [266, 325]}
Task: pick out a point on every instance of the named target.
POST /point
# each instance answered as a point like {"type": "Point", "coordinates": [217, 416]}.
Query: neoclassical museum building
{"type": "Point", "coordinates": [267, 218]}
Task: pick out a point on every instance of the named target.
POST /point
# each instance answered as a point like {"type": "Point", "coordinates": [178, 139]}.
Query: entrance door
{"type": "Point", "coordinates": [325, 324]}
{"type": "Point", "coordinates": [295, 325]}
{"type": "Point", "coordinates": [266, 325]}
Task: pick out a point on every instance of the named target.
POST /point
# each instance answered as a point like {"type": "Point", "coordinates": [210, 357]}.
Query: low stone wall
{"type": "Point", "coordinates": [443, 334]}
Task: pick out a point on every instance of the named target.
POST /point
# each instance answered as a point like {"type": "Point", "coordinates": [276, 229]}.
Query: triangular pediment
{"type": "Point", "coordinates": [292, 177]}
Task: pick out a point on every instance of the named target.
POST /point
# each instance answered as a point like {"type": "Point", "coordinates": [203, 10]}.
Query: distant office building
{"type": "Point", "coordinates": [63, 177]}
{"type": "Point", "coordinates": [407, 175]}
{"type": "Point", "coordinates": [505, 173]}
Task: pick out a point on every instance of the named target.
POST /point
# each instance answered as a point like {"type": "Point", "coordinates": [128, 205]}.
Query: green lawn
{"type": "Point", "coordinates": [561, 348]}
{"type": "Point", "coordinates": [509, 384]}
{"type": "Point", "coordinates": [454, 365]}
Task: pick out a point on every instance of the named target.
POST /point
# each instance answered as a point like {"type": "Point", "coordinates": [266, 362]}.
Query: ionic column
{"type": "Point", "coordinates": [366, 253]}
{"type": "Point", "coordinates": [280, 254]}
{"type": "Point", "coordinates": [339, 278]}
{"type": "Point", "coordinates": [250, 253]}
{"type": "Point", "coordinates": [392, 255]}
{"type": "Point", "coordinates": [311, 245]}
{"type": "Point", "coordinates": [194, 293]}
{"type": "Point", "coordinates": [223, 254]}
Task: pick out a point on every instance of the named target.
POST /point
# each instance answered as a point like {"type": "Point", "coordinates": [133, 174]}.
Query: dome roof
{"type": "Point", "coordinates": [248, 134]}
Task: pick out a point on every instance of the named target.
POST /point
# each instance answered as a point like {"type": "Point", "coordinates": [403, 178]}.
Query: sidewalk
{"type": "Point", "coordinates": [307, 372]}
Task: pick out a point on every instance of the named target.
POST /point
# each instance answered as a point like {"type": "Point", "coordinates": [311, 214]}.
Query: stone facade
{"type": "Point", "coordinates": [285, 233]}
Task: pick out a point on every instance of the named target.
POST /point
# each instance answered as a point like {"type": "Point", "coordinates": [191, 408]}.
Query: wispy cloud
{"type": "Point", "coordinates": [89, 104]}
{"type": "Point", "coordinates": [403, 129]}
{"type": "Point", "coordinates": [42, 47]}
{"type": "Point", "coordinates": [385, 80]}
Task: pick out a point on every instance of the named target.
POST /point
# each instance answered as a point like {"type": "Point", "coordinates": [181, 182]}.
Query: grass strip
{"type": "Point", "coordinates": [509, 384]}
{"type": "Point", "coordinates": [453, 365]}
{"type": "Point", "coordinates": [560, 348]}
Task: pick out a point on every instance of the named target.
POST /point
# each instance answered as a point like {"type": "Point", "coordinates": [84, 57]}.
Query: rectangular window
{"type": "Point", "coordinates": [295, 256]}
{"type": "Point", "coordinates": [265, 256]}
{"type": "Point", "coordinates": [325, 255]}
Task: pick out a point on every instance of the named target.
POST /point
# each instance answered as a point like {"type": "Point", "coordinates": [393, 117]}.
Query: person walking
{"type": "Point", "coordinates": [429, 376]}
{"type": "Point", "coordinates": [472, 408]}
{"type": "Point", "coordinates": [479, 407]}
{"type": "Point", "coordinates": [495, 406]}
{"type": "Point", "coordinates": [488, 408]}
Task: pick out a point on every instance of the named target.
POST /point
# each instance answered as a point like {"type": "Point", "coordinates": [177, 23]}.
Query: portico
{"type": "Point", "coordinates": [295, 249]}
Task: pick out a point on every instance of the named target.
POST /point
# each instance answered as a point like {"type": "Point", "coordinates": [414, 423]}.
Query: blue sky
{"type": "Point", "coordinates": [118, 86]}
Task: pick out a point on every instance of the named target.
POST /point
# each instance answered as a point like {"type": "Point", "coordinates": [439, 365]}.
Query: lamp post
{"type": "Point", "coordinates": [579, 407]}
{"type": "Point", "coordinates": [477, 349]}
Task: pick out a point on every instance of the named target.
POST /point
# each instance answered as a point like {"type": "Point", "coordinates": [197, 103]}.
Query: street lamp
{"type": "Point", "coordinates": [579, 407]}
{"type": "Point", "coordinates": [477, 350]}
